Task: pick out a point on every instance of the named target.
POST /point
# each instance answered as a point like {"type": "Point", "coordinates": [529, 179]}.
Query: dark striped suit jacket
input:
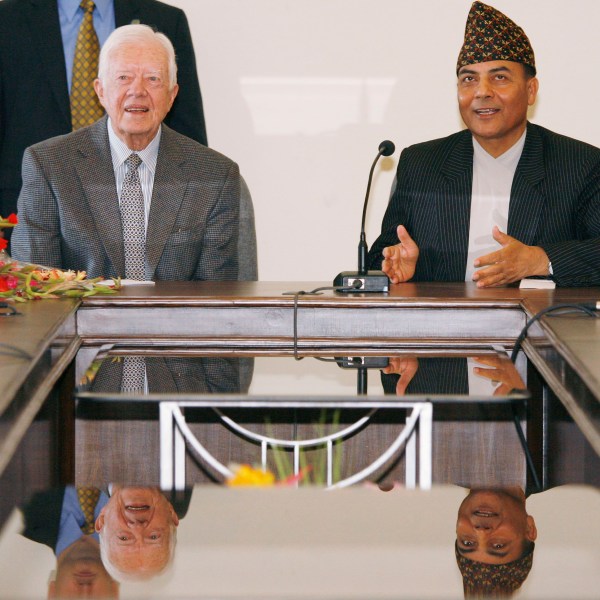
{"type": "Point", "coordinates": [555, 204]}
{"type": "Point", "coordinates": [69, 210]}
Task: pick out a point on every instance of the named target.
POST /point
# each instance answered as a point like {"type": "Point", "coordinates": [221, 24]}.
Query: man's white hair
{"type": "Point", "coordinates": [137, 34]}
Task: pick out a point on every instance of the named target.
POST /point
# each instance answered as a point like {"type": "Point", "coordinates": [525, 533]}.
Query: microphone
{"type": "Point", "coordinates": [363, 280]}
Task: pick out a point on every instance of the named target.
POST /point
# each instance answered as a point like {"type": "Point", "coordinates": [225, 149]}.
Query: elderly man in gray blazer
{"type": "Point", "coordinates": [74, 207]}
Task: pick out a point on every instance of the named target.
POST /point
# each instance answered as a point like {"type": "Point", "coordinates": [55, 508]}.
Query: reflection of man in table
{"type": "Point", "coordinates": [172, 374]}
{"type": "Point", "coordinates": [494, 542]}
{"type": "Point", "coordinates": [476, 442]}
{"type": "Point", "coordinates": [451, 375]}
{"type": "Point", "coordinates": [64, 520]}
{"type": "Point", "coordinates": [81, 574]}
{"type": "Point", "coordinates": [120, 441]}
{"type": "Point", "coordinates": [138, 533]}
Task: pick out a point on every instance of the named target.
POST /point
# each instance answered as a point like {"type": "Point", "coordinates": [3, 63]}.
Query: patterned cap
{"type": "Point", "coordinates": [491, 35]}
{"type": "Point", "coordinates": [482, 580]}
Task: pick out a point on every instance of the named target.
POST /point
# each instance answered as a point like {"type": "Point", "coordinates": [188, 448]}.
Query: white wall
{"type": "Point", "coordinates": [301, 92]}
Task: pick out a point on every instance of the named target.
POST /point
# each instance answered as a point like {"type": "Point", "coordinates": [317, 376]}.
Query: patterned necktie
{"type": "Point", "coordinates": [134, 375]}
{"type": "Point", "coordinates": [85, 106]}
{"type": "Point", "coordinates": [88, 498]}
{"type": "Point", "coordinates": [132, 215]}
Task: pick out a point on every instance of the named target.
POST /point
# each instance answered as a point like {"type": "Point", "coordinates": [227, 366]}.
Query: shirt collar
{"type": "Point", "coordinates": [69, 8]}
{"type": "Point", "coordinates": [511, 156]}
{"type": "Point", "coordinates": [120, 152]}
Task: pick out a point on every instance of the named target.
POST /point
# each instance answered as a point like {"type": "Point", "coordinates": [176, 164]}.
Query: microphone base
{"type": "Point", "coordinates": [371, 281]}
{"type": "Point", "coordinates": [362, 362]}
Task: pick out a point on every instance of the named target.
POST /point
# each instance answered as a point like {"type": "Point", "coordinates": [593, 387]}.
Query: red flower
{"type": "Point", "coordinates": [3, 244]}
{"type": "Point", "coordinates": [12, 218]}
{"type": "Point", "coordinates": [8, 282]}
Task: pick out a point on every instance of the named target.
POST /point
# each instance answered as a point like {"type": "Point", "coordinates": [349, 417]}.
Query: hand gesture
{"type": "Point", "coordinates": [512, 262]}
{"type": "Point", "coordinates": [400, 261]}
{"type": "Point", "coordinates": [406, 367]}
{"type": "Point", "coordinates": [502, 371]}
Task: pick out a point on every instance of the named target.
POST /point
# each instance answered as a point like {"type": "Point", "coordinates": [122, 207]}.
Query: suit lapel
{"type": "Point", "coordinates": [170, 184]}
{"type": "Point", "coordinates": [45, 34]}
{"type": "Point", "coordinates": [526, 200]}
{"type": "Point", "coordinates": [95, 170]}
{"type": "Point", "coordinates": [454, 207]}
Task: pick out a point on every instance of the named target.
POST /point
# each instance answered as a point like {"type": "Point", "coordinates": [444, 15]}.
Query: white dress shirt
{"type": "Point", "coordinates": [492, 182]}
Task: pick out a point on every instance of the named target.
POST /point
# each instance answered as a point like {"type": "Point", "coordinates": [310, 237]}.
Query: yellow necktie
{"type": "Point", "coordinates": [88, 498]}
{"type": "Point", "coordinates": [85, 106]}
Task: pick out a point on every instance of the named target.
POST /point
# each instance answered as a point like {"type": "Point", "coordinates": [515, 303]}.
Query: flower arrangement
{"type": "Point", "coordinates": [10, 221]}
{"type": "Point", "coordinates": [249, 476]}
{"type": "Point", "coordinates": [22, 281]}
{"type": "Point", "coordinates": [253, 476]}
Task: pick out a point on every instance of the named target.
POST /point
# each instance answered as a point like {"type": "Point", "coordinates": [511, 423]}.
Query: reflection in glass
{"type": "Point", "coordinates": [490, 374]}
{"type": "Point", "coordinates": [494, 542]}
{"type": "Point", "coordinates": [299, 543]}
{"type": "Point", "coordinates": [125, 427]}
{"type": "Point", "coordinates": [138, 533]}
{"type": "Point", "coordinates": [101, 540]}
{"type": "Point", "coordinates": [63, 519]}
{"type": "Point", "coordinates": [80, 573]}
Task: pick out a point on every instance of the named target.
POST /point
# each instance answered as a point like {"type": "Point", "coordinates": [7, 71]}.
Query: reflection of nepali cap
{"type": "Point", "coordinates": [491, 35]}
{"type": "Point", "coordinates": [482, 580]}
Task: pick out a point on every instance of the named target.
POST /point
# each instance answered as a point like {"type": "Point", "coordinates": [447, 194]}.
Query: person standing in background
{"type": "Point", "coordinates": [38, 46]}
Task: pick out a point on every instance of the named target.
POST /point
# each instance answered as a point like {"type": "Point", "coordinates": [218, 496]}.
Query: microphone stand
{"type": "Point", "coordinates": [363, 280]}
{"type": "Point", "coordinates": [362, 364]}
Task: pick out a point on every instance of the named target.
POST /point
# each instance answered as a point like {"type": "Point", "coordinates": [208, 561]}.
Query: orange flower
{"type": "Point", "coordinates": [245, 475]}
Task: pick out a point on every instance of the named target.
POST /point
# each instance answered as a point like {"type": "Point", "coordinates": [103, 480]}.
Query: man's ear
{"type": "Point", "coordinates": [173, 95]}
{"type": "Point", "coordinates": [533, 85]}
{"type": "Point", "coordinates": [99, 524]}
{"type": "Point", "coordinates": [531, 532]}
{"type": "Point", "coordinates": [98, 88]}
{"type": "Point", "coordinates": [174, 515]}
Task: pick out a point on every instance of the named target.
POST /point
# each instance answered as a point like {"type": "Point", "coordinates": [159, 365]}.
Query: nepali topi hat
{"type": "Point", "coordinates": [491, 35]}
{"type": "Point", "coordinates": [483, 580]}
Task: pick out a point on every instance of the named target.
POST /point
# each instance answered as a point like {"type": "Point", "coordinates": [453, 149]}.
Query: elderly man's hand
{"type": "Point", "coordinates": [514, 261]}
{"type": "Point", "coordinates": [400, 261]}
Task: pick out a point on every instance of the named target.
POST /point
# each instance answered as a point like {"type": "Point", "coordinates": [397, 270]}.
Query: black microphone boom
{"type": "Point", "coordinates": [363, 280]}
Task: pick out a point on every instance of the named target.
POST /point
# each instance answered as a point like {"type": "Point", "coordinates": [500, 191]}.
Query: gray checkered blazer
{"type": "Point", "coordinates": [69, 211]}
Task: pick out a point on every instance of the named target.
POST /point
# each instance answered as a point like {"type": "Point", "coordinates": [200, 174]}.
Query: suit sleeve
{"type": "Point", "coordinates": [36, 239]}
{"type": "Point", "coordinates": [576, 262]}
{"type": "Point", "coordinates": [219, 259]}
{"type": "Point", "coordinates": [187, 114]}
{"type": "Point", "coordinates": [42, 517]}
